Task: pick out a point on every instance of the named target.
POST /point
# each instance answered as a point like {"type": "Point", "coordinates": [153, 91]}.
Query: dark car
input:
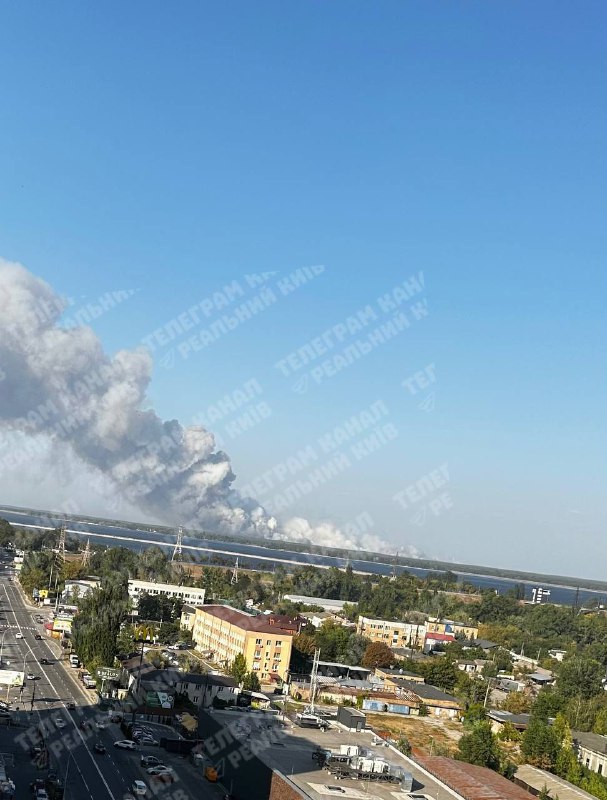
{"type": "Point", "coordinates": [37, 636]}
{"type": "Point", "coordinates": [45, 661]}
{"type": "Point", "coordinates": [71, 706]}
{"type": "Point", "coordinates": [99, 748]}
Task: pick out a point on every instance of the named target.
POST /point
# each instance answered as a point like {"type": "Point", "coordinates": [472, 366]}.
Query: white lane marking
{"type": "Point", "coordinates": [77, 729]}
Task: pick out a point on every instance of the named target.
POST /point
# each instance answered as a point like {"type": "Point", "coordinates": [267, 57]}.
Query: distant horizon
{"type": "Point", "coordinates": [442, 565]}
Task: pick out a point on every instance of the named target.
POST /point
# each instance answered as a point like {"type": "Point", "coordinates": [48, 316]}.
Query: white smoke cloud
{"type": "Point", "coordinates": [58, 383]}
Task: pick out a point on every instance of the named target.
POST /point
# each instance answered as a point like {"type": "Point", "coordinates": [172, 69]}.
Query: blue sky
{"type": "Point", "coordinates": [175, 149]}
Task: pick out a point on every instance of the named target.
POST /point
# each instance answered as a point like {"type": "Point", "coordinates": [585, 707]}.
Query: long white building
{"type": "Point", "coordinates": [189, 594]}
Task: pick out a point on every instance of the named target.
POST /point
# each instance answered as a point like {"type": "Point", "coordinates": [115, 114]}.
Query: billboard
{"type": "Point", "coordinates": [159, 700]}
{"type": "Point", "coordinates": [63, 623]}
{"type": "Point", "coordinates": [108, 673]}
{"type": "Point", "coordinates": [10, 677]}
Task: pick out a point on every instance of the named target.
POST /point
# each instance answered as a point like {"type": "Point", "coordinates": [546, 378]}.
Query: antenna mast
{"type": "Point", "coordinates": [234, 578]}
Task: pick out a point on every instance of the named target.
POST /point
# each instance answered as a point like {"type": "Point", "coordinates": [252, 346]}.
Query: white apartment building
{"type": "Point", "coordinates": [394, 634]}
{"type": "Point", "coordinates": [189, 594]}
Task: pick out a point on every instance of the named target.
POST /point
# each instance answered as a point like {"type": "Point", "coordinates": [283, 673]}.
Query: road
{"type": "Point", "coordinates": [43, 701]}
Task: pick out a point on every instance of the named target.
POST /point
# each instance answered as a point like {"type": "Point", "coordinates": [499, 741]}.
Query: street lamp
{"type": "Point", "coordinates": [4, 632]}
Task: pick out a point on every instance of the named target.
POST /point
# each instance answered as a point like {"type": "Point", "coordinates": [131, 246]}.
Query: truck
{"type": "Point", "coordinates": [310, 721]}
{"type": "Point", "coordinates": [368, 768]}
{"type": "Point", "coordinates": [74, 660]}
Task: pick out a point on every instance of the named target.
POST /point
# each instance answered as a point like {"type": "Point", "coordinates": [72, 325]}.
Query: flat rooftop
{"type": "Point", "coordinates": [289, 750]}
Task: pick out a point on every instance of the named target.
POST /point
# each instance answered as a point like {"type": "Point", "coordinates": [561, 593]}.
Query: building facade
{"type": "Point", "coordinates": [394, 634]}
{"type": "Point", "coordinates": [591, 750]}
{"type": "Point", "coordinates": [448, 626]}
{"type": "Point", "coordinates": [189, 594]}
{"type": "Point", "coordinates": [223, 632]}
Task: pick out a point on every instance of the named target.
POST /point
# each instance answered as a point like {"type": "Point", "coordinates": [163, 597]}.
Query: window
{"type": "Point", "coordinates": [600, 769]}
{"type": "Point", "coordinates": [278, 642]}
{"type": "Point", "coordinates": [257, 641]}
{"type": "Point", "coordinates": [268, 642]}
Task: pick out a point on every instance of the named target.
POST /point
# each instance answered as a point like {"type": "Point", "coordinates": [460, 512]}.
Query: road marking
{"type": "Point", "coordinates": [77, 729]}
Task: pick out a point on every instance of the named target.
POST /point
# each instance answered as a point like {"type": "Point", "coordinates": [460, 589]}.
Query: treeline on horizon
{"type": "Point", "coordinates": [358, 555]}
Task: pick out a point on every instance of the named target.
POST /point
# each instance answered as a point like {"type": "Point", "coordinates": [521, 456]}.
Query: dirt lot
{"type": "Point", "coordinates": [424, 733]}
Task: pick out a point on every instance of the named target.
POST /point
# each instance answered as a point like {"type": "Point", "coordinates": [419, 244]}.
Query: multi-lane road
{"type": "Point", "coordinates": [43, 705]}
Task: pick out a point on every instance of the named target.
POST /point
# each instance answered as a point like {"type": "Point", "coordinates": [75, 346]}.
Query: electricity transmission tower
{"type": "Point", "coordinates": [86, 554]}
{"type": "Point", "coordinates": [178, 550]}
{"type": "Point", "coordinates": [234, 578]}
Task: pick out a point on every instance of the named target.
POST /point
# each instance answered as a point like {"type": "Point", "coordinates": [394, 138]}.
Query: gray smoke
{"type": "Point", "coordinates": [57, 382]}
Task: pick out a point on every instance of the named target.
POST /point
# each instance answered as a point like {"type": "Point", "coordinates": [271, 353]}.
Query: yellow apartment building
{"type": "Point", "coordinates": [394, 634]}
{"type": "Point", "coordinates": [446, 626]}
{"type": "Point", "coordinates": [225, 632]}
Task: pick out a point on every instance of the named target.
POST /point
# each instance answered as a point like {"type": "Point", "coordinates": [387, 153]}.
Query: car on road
{"type": "Point", "coordinates": [71, 706]}
{"type": "Point", "coordinates": [59, 722]}
{"type": "Point", "coordinates": [101, 724]}
{"type": "Point", "coordinates": [157, 770]}
{"type": "Point", "coordinates": [45, 661]}
{"type": "Point", "coordinates": [125, 744]}
{"type": "Point", "coordinates": [148, 741]}
{"type": "Point", "coordinates": [37, 637]}
{"type": "Point", "coordinates": [150, 761]}
{"type": "Point", "coordinates": [139, 788]}
{"type": "Point", "coordinates": [19, 635]}
{"type": "Point", "coordinates": [99, 747]}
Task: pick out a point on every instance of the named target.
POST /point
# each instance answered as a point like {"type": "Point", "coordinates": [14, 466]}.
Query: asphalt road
{"type": "Point", "coordinates": [85, 773]}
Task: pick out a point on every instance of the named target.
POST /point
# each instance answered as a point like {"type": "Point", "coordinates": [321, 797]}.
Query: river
{"type": "Point", "coordinates": [265, 557]}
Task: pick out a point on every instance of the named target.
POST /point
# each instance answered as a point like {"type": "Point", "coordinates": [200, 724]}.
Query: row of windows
{"type": "Point", "coordinates": [277, 643]}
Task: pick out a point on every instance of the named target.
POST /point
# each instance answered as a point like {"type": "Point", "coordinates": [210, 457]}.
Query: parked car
{"type": "Point", "coordinates": [148, 741]}
{"type": "Point", "coordinates": [126, 744]}
{"type": "Point", "coordinates": [157, 770]}
{"type": "Point", "coordinates": [59, 722]}
{"type": "Point", "coordinates": [139, 788]}
{"type": "Point", "coordinates": [71, 706]}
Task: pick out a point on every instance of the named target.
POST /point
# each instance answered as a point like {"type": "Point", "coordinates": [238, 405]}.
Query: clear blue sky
{"type": "Point", "coordinates": [173, 148]}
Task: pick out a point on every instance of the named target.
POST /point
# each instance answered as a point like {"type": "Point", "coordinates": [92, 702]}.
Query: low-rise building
{"type": "Point", "coordinates": [558, 655]}
{"type": "Point", "coordinates": [325, 602]}
{"type": "Point", "coordinates": [224, 632]}
{"type": "Point", "coordinates": [499, 719]}
{"type": "Point", "coordinates": [189, 594]}
{"type": "Point", "coordinates": [75, 589]}
{"type": "Point", "coordinates": [536, 781]}
{"type": "Point", "coordinates": [469, 781]}
{"type": "Point", "coordinates": [433, 641]}
{"type": "Point", "coordinates": [438, 703]}
{"type": "Point", "coordinates": [318, 618]}
{"type": "Point", "coordinates": [591, 751]}
{"type": "Point", "coordinates": [459, 629]}
{"type": "Point", "coordinates": [188, 616]}
{"type": "Point", "coordinates": [203, 689]}
{"type": "Point", "coordinates": [389, 675]}
{"type": "Point", "coordinates": [393, 633]}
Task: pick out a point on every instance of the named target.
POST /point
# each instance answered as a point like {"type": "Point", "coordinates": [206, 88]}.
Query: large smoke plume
{"type": "Point", "coordinates": [58, 383]}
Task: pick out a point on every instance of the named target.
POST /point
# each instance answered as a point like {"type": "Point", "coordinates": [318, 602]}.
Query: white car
{"type": "Point", "coordinates": [101, 724]}
{"type": "Point", "coordinates": [18, 636]}
{"type": "Point", "coordinates": [157, 770]}
{"type": "Point", "coordinates": [59, 722]}
{"type": "Point", "coordinates": [139, 788]}
{"type": "Point", "coordinates": [30, 676]}
{"type": "Point", "coordinates": [125, 744]}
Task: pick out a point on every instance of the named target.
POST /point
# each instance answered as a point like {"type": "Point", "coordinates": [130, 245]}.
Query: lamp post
{"type": "Point", "coordinates": [4, 632]}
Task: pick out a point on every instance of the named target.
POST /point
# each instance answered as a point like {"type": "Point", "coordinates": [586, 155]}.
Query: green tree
{"type": "Point", "coordinates": [580, 676]}
{"type": "Point", "coordinates": [404, 746]}
{"type": "Point", "coordinates": [517, 703]}
{"type": "Point", "coordinates": [540, 744]}
{"type": "Point", "coordinates": [440, 672]}
{"type": "Point", "coordinates": [238, 668]}
{"type": "Point", "coordinates": [251, 682]}
{"type": "Point", "coordinates": [479, 747]}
